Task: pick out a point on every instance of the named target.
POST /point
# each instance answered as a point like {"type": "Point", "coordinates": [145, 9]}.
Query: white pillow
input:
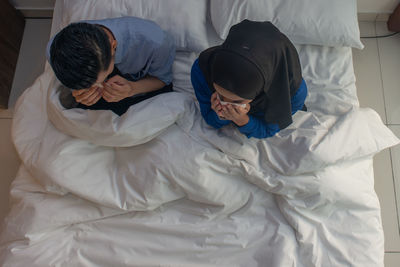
{"type": "Point", "coordinates": [318, 22]}
{"type": "Point", "coordinates": [184, 20]}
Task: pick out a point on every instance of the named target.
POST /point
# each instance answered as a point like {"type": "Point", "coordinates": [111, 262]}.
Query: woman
{"type": "Point", "coordinates": [252, 80]}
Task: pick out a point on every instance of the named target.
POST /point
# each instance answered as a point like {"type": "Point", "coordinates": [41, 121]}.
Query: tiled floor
{"type": "Point", "coordinates": [378, 82]}
{"type": "Point", "coordinates": [32, 56]}
{"type": "Point", "coordinates": [30, 65]}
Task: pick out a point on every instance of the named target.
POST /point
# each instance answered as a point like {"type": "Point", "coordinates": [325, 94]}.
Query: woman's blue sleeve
{"type": "Point", "coordinates": [258, 128]}
{"type": "Point", "coordinates": [203, 95]}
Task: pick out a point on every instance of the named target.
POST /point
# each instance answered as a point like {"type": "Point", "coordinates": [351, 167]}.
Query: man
{"type": "Point", "coordinates": [111, 63]}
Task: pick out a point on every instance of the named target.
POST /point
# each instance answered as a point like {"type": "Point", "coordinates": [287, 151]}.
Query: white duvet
{"type": "Point", "coordinates": [159, 187]}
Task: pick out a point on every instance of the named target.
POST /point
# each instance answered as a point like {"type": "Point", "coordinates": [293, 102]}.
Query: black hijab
{"type": "Point", "coordinates": [258, 62]}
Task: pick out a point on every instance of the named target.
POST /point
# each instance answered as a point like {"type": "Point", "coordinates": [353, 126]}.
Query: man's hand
{"type": "Point", "coordinates": [118, 88]}
{"type": "Point", "coordinates": [89, 96]}
{"type": "Point", "coordinates": [236, 114]}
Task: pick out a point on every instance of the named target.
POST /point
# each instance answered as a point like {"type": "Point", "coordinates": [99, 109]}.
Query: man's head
{"type": "Point", "coordinates": [81, 55]}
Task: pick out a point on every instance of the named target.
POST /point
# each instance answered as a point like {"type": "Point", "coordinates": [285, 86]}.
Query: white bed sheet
{"type": "Point", "coordinates": [188, 195]}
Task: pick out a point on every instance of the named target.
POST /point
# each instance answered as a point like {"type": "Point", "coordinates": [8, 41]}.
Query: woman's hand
{"type": "Point", "coordinates": [216, 105]}
{"type": "Point", "coordinates": [236, 114]}
{"type": "Point", "coordinates": [117, 88]}
{"type": "Point", "coordinates": [89, 96]}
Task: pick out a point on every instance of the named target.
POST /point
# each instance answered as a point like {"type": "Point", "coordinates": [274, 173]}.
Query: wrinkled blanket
{"type": "Point", "coordinates": [159, 187]}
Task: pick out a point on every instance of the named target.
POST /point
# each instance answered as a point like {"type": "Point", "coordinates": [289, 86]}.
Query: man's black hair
{"type": "Point", "coordinates": [79, 53]}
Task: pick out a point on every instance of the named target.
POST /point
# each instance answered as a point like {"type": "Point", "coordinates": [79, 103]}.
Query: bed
{"type": "Point", "coordinates": [159, 187]}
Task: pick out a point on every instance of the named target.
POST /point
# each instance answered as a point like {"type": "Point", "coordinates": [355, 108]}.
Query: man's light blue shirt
{"type": "Point", "coordinates": [143, 48]}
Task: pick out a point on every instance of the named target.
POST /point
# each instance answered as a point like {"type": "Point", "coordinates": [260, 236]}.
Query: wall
{"type": "Point", "coordinates": [33, 4]}
{"type": "Point", "coordinates": [376, 6]}
{"type": "Point", "coordinates": [35, 8]}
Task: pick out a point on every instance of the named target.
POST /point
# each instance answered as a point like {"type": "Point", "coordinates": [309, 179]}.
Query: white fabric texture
{"type": "Point", "coordinates": [189, 195]}
{"type": "Point", "coordinates": [184, 20]}
{"type": "Point", "coordinates": [159, 187]}
{"type": "Point", "coordinates": [318, 22]}
{"type": "Point", "coordinates": [108, 129]}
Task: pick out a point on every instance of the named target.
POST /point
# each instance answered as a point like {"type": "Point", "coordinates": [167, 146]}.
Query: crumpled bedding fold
{"type": "Point", "coordinates": [160, 175]}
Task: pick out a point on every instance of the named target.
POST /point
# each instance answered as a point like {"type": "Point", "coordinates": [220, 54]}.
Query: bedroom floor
{"type": "Point", "coordinates": [378, 82]}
